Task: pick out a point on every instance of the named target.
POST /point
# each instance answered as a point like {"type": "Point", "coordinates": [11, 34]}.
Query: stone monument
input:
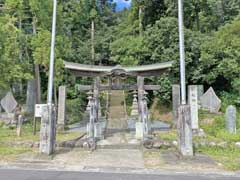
{"type": "Point", "coordinates": [61, 108]}
{"type": "Point", "coordinates": [200, 91]}
{"type": "Point", "coordinates": [48, 130]}
{"type": "Point", "coordinates": [184, 126]}
{"type": "Point", "coordinates": [31, 96]}
{"type": "Point", "coordinates": [175, 102]}
{"type": "Point", "coordinates": [193, 102]}
{"type": "Point", "coordinates": [210, 101]}
{"type": "Point", "coordinates": [8, 104]}
{"type": "Point", "coordinates": [231, 116]}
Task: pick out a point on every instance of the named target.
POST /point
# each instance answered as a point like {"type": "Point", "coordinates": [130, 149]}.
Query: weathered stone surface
{"type": "Point", "coordinates": [9, 103]}
{"type": "Point", "coordinates": [185, 131]}
{"type": "Point", "coordinates": [145, 117]}
{"type": "Point", "coordinates": [19, 125]}
{"type": "Point", "coordinates": [210, 101]}
{"type": "Point", "coordinates": [31, 96]}
{"type": "Point", "coordinates": [61, 107]}
{"type": "Point", "coordinates": [200, 91]}
{"type": "Point", "coordinates": [8, 118]}
{"type": "Point", "coordinates": [199, 132]}
{"type": "Point", "coordinates": [139, 130]}
{"type": "Point", "coordinates": [231, 117]}
{"type": "Point", "coordinates": [47, 131]}
{"type": "Point", "coordinates": [175, 102]}
{"type": "Point", "coordinates": [92, 117]}
{"type": "Point", "coordinates": [140, 83]}
{"type": "Point", "coordinates": [193, 102]}
{"type": "Point", "coordinates": [98, 131]}
{"type": "Point", "coordinates": [99, 110]}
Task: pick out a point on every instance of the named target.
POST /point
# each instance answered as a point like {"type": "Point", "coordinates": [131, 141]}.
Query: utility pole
{"type": "Point", "coordinates": [51, 71]}
{"type": "Point", "coordinates": [182, 52]}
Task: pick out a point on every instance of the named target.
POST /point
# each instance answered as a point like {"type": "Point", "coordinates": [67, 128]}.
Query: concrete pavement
{"type": "Point", "coordinates": [11, 174]}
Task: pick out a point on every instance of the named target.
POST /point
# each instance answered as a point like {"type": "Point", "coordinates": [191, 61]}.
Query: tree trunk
{"type": "Point", "coordinates": [37, 72]}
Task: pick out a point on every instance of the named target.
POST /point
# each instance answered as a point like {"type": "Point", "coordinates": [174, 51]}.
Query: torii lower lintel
{"type": "Point", "coordinates": [115, 87]}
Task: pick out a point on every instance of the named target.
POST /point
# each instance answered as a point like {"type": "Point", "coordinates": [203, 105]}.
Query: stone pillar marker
{"type": "Point", "coordinates": [200, 91]}
{"type": "Point", "coordinates": [193, 102]}
{"type": "Point", "coordinates": [61, 107]}
{"type": "Point", "coordinates": [231, 117]}
{"type": "Point", "coordinates": [175, 102]}
{"type": "Point", "coordinates": [185, 131]}
{"type": "Point", "coordinates": [31, 96]}
{"type": "Point", "coordinates": [146, 124]}
{"type": "Point", "coordinates": [140, 84]}
{"type": "Point", "coordinates": [48, 131]}
{"type": "Point", "coordinates": [92, 117]}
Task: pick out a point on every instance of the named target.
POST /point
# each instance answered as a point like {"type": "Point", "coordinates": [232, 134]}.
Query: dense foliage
{"type": "Point", "coordinates": [146, 33]}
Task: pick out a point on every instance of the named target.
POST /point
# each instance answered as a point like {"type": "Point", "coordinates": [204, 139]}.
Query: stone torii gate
{"type": "Point", "coordinates": [48, 130]}
{"type": "Point", "coordinates": [117, 72]}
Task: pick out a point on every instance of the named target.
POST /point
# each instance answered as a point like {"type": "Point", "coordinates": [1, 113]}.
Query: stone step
{"type": "Point", "coordinates": [120, 146]}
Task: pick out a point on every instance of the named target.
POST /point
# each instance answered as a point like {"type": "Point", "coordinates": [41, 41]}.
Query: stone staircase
{"type": "Point", "coordinates": [117, 118]}
{"type": "Point", "coordinates": [117, 135]}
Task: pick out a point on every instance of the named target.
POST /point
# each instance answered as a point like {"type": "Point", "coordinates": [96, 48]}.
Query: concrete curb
{"type": "Point", "coordinates": [122, 170]}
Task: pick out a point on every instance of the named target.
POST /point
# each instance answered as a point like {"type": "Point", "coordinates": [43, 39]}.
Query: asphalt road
{"type": "Point", "coordinates": [60, 175]}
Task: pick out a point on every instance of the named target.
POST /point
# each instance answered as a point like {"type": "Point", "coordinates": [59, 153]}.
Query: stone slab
{"type": "Point", "coordinates": [231, 118]}
{"type": "Point", "coordinates": [48, 131]}
{"type": "Point", "coordinates": [139, 130]}
{"type": "Point", "coordinates": [193, 102]}
{"type": "Point", "coordinates": [200, 91]}
{"type": "Point", "coordinates": [98, 130]}
{"type": "Point", "coordinates": [61, 107]}
{"type": "Point", "coordinates": [209, 101]}
{"type": "Point", "coordinates": [175, 101]}
{"type": "Point", "coordinates": [9, 103]}
{"type": "Point", "coordinates": [31, 96]}
{"type": "Point", "coordinates": [8, 118]}
{"type": "Point", "coordinates": [184, 126]}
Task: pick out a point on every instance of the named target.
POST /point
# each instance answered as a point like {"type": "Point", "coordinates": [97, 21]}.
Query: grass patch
{"type": "Point", "coordinates": [8, 153]}
{"type": "Point", "coordinates": [9, 134]}
{"type": "Point", "coordinates": [167, 135]}
{"type": "Point", "coordinates": [214, 126]}
{"type": "Point", "coordinates": [228, 156]}
{"type": "Point", "coordinates": [64, 136]}
{"type": "Point", "coordinates": [11, 146]}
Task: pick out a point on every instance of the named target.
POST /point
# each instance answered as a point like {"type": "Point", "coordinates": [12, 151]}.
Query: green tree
{"type": "Point", "coordinates": [220, 58]}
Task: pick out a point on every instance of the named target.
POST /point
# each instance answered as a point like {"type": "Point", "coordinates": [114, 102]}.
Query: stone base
{"type": "Point", "coordinates": [185, 131]}
{"type": "Point", "coordinates": [8, 118]}
{"type": "Point", "coordinates": [60, 127]}
{"type": "Point", "coordinates": [139, 130]}
{"type": "Point", "coordinates": [48, 130]}
{"type": "Point", "coordinates": [199, 132]}
{"type": "Point", "coordinates": [88, 130]}
{"type": "Point", "coordinates": [98, 130]}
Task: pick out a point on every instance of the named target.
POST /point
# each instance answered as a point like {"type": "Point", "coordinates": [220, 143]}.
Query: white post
{"type": "Point", "coordinates": [51, 71]}
{"type": "Point", "coordinates": [182, 53]}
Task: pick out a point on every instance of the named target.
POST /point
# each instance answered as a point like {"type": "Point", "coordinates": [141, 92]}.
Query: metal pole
{"type": "Point", "coordinates": [182, 53]}
{"type": "Point", "coordinates": [51, 71]}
